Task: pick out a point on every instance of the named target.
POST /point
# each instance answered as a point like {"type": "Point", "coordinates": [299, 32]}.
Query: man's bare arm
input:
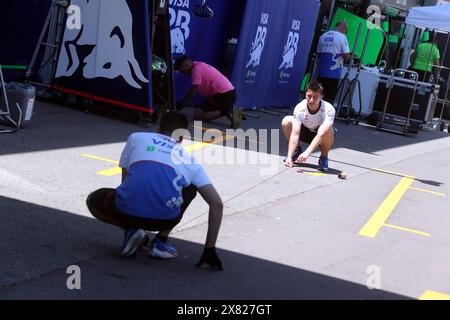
{"type": "Point", "coordinates": [293, 142]}
{"type": "Point", "coordinates": [321, 131]}
{"type": "Point", "coordinates": [212, 198]}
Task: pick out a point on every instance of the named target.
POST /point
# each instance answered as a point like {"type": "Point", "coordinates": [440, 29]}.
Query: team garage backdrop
{"type": "Point", "coordinates": [202, 39]}
{"type": "Point", "coordinates": [273, 50]}
{"type": "Point", "coordinates": [19, 34]}
{"type": "Point", "coordinates": [109, 57]}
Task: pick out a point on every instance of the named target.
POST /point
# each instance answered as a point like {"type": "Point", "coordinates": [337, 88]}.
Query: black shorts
{"type": "Point", "coordinates": [102, 205]}
{"type": "Point", "coordinates": [223, 102]}
{"type": "Point", "coordinates": [307, 135]}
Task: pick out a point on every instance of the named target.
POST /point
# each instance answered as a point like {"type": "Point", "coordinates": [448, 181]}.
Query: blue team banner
{"type": "Point", "coordinates": [201, 39]}
{"type": "Point", "coordinates": [273, 51]}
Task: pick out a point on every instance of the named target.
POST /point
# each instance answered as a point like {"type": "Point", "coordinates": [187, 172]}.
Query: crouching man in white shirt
{"type": "Point", "coordinates": [312, 123]}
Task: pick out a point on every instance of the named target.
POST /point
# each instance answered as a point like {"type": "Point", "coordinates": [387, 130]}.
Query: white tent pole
{"type": "Point", "coordinates": [445, 50]}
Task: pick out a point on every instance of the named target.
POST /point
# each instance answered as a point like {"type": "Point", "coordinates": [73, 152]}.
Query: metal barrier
{"type": "Point", "coordinates": [404, 122]}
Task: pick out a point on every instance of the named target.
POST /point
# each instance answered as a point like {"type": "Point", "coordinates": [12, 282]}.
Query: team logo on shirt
{"type": "Point", "coordinates": [161, 146]}
{"type": "Point", "coordinates": [178, 184]}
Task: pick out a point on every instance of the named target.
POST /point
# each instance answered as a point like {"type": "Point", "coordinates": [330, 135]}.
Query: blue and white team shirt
{"type": "Point", "coordinates": [332, 45]}
{"type": "Point", "coordinates": [313, 121]}
{"type": "Point", "coordinates": [158, 170]}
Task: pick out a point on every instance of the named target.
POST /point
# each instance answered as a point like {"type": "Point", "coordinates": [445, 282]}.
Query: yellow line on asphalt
{"type": "Point", "coordinates": [407, 230]}
{"type": "Point", "coordinates": [394, 173]}
{"type": "Point", "coordinates": [380, 216]}
{"type": "Point", "coordinates": [229, 137]}
{"type": "Point", "coordinates": [200, 145]}
{"type": "Point", "coordinates": [216, 130]}
{"type": "Point", "coordinates": [196, 146]}
{"type": "Point", "coordinates": [100, 158]}
{"type": "Point", "coordinates": [110, 172]}
{"type": "Point", "coordinates": [189, 148]}
{"type": "Point", "coordinates": [428, 191]}
{"type": "Point", "coordinates": [433, 295]}
{"type": "Point", "coordinates": [316, 174]}
{"type": "Point", "coordinates": [199, 140]}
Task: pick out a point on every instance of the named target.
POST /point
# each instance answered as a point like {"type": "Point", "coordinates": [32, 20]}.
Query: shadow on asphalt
{"type": "Point", "coordinates": [39, 243]}
{"type": "Point", "coordinates": [312, 168]}
{"type": "Point", "coordinates": [59, 127]}
{"type": "Point", "coordinates": [55, 127]}
{"type": "Point", "coordinates": [362, 138]}
{"type": "Point", "coordinates": [424, 181]}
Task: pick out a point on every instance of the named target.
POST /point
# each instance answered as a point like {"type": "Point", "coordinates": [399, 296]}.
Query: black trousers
{"type": "Point", "coordinates": [223, 102]}
{"type": "Point", "coordinates": [307, 136]}
{"type": "Point", "coordinates": [102, 205]}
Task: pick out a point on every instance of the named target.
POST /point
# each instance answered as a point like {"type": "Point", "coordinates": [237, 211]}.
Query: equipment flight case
{"type": "Point", "coordinates": [402, 101]}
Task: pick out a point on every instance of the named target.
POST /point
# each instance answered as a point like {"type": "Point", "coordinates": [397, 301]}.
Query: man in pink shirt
{"type": "Point", "coordinates": [214, 86]}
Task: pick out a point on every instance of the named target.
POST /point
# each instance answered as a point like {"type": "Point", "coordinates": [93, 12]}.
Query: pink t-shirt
{"type": "Point", "coordinates": [209, 80]}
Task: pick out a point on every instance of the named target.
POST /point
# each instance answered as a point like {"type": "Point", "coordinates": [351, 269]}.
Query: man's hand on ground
{"type": "Point", "coordinates": [302, 158]}
{"type": "Point", "coordinates": [210, 257]}
{"type": "Point", "coordinates": [289, 163]}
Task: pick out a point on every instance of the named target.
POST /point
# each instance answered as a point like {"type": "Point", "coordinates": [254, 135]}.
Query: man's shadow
{"type": "Point", "coordinates": [314, 168]}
